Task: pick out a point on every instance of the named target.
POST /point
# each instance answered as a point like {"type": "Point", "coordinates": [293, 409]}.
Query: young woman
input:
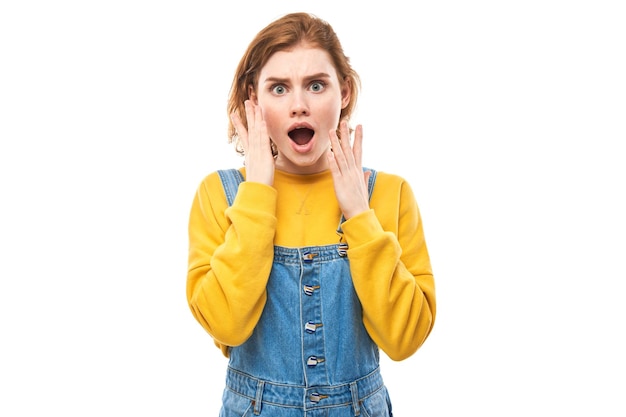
{"type": "Point", "coordinates": [303, 264]}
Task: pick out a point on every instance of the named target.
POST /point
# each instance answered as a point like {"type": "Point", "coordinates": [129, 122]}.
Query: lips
{"type": "Point", "coordinates": [301, 135]}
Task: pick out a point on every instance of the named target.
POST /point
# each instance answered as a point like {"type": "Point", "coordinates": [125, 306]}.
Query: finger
{"type": "Point", "coordinates": [250, 114]}
{"type": "Point", "coordinates": [261, 125]}
{"type": "Point", "coordinates": [357, 147]}
{"type": "Point", "coordinates": [332, 163]}
{"type": "Point", "coordinates": [257, 127]}
{"type": "Point", "coordinates": [336, 150]}
{"type": "Point", "coordinates": [345, 135]}
{"type": "Point", "coordinates": [258, 117]}
{"type": "Point", "coordinates": [334, 140]}
{"type": "Point", "coordinates": [345, 144]}
{"type": "Point", "coordinates": [240, 129]}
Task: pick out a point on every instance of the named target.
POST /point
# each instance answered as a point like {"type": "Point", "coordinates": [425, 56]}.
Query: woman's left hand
{"type": "Point", "coordinates": [345, 166]}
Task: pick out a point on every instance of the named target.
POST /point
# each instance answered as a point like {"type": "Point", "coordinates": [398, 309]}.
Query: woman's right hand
{"type": "Point", "coordinates": [259, 161]}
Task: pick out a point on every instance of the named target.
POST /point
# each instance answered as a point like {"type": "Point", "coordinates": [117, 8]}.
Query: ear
{"type": "Point", "coordinates": [346, 93]}
{"type": "Point", "coordinates": [252, 94]}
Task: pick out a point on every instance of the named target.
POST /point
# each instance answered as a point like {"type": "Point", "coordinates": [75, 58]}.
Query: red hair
{"type": "Point", "coordinates": [282, 34]}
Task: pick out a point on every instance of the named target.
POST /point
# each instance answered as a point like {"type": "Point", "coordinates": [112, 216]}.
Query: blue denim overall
{"type": "Point", "coordinates": [309, 355]}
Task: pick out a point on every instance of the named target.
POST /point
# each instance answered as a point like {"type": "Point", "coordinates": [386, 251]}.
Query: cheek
{"type": "Point", "coordinates": [271, 120]}
{"type": "Point", "coordinates": [268, 115]}
{"type": "Point", "coordinates": [333, 113]}
{"type": "Point", "coordinates": [333, 107]}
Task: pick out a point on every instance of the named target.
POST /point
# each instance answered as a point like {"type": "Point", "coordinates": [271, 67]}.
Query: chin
{"type": "Point", "coordinates": [305, 164]}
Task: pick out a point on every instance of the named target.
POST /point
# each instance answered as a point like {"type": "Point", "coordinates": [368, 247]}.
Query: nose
{"type": "Point", "coordinates": [299, 104]}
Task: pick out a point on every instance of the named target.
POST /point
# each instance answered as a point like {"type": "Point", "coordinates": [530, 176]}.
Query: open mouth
{"type": "Point", "coordinates": [301, 135]}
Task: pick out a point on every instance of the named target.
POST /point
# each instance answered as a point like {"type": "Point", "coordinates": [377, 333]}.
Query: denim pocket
{"type": "Point", "coordinates": [236, 405]}
{"type": "Point", "coordinates": [377, 404]}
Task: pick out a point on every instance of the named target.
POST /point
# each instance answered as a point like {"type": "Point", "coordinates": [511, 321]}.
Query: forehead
{"type": "Point", "coordinates": [299, 61]}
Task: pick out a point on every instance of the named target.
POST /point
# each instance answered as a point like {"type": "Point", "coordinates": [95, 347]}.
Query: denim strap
{"type": "Point", "coordinates": [231, 178]}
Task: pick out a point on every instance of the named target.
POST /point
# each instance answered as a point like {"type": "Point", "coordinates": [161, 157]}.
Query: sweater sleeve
{"type": "Point", "coordinates": [392, 273]}
{"type": "Point", "coordinates": [230, 258]}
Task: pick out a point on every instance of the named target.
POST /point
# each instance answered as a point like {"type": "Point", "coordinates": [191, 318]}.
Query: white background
{"type": "Point", "coordinates": [507, 117]}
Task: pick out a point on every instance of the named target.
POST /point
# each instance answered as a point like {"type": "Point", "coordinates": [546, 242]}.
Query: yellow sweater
{"type": "Point", "coordinates": [231, 255]}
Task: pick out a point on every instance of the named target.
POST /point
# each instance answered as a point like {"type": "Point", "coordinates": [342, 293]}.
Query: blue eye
{"type": "Point", "coordinates": [279, 89]}
{"type": "Point", "coordinates": [317, 86]}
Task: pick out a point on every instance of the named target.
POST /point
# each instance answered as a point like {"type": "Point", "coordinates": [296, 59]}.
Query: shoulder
{"type": "Point", "coordinates": [212, 186]}
{"type": "Point", "coordinates": [391, 190]}
{"type": "Point", "coordinates": [389, 182]}
{"type": "Point", "coordinates": [215, 179]}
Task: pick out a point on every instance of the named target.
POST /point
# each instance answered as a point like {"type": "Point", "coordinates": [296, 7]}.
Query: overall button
{"type": "Point", "coordinates": [313, 361]}
{"type": "Point", "coordinates": [308, 256]}
{"type": "Point", "coordinates": [315, 397]}
{"type": "Point", "coordinates": [309, 289]}
{"type": "Point", "coordinates": [311, 327]}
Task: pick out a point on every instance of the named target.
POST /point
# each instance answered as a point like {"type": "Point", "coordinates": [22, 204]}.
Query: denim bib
{"type": "Point", "coordinates": [310, 354]}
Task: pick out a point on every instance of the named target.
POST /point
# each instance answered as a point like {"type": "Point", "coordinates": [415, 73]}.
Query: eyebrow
{"type": "Point", "coordinates": [319, 75]}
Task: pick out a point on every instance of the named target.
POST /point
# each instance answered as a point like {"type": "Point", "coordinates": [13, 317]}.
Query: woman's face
{"type": "Point", "coordinates": [301, 97]}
